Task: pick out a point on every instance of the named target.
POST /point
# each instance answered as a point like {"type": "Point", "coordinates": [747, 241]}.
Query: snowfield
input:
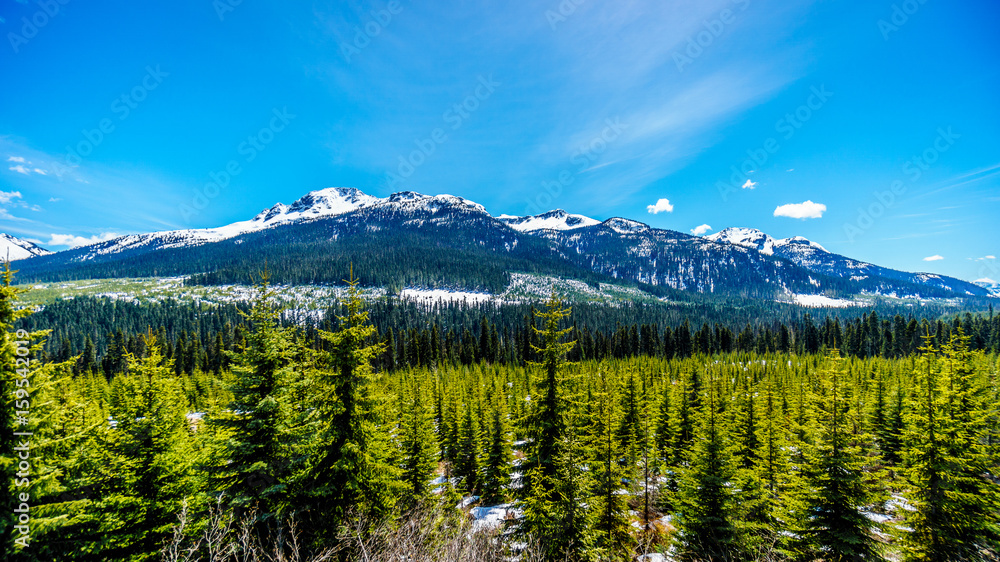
{"type": "Point", "coordinates": [823, 301]}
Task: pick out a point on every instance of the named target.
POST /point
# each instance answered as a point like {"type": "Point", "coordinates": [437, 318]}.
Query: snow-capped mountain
{"type": "Point", "coordinates": [327, 202]}
{"type": "Point", "coordinates": [753, 238]}
{"type": "Point", "coordinates": [816, 258]}
{"type": "Point", "coordinates": [315, 205]}
{"type": "Point", "coordinates": [14, 248]}
{"type": "Point", "coordinates": [409, 238]}
{"type": "Point", "coordinates": [552, 220]}
{"type": "Point", "coordinates": [989, 284]}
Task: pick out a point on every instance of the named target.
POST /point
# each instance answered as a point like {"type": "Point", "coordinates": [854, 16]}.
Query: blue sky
{"type": "Point", "coordinates": [869, 127]}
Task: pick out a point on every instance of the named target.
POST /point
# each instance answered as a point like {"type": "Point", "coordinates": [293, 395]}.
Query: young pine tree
{"type": "Point", "coordinates": [834, 527]}
{"type": "Point", "coordinates": [418, 443]}
{"type": "Point", "coordinates": [146, 470]}
{"type": "Point", "coordinates": [496, 472]}
{"type": "Point", "coordinates": [706, 507]}
{"type": "Point", "coordinates": [467, 456]}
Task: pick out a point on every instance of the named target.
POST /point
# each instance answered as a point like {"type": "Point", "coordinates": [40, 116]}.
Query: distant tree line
{"type": "Point", "coordinates": [100, 332]}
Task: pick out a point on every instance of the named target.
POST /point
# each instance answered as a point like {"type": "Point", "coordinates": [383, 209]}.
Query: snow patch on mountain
{"type": "Point", "coordinates": [552, 220]}
{"type": "Point", "coordinates": [411, 201]}
{"type": "Point", "coordinates": [625, 226]}
{"type": "Point", "coordinates": [13, 248]}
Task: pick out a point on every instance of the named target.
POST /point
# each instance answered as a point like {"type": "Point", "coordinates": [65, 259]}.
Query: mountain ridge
{"type": "Point", "coordinates": [332, 221]}
{"type": "Point", "coordinates": [13, 248]}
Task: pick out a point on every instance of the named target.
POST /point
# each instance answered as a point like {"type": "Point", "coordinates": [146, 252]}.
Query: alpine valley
{"type": "Point", "coordinates": [442, 241]}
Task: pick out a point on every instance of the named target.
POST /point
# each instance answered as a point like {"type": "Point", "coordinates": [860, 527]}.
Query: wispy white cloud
{"type": "Point", "coordinates": [749, 185]}
{"type": "Point", "coordinates": [20, 169]}
{"type": "Point", "coordinates": [16, 159]}
{"type": "Point", "coordinates": [804, 210]}
{"type": "Point", "coordinates": [934, 258]}
{"type": "Point", "coordinates": [8, 196]}
{"type": "Point", "coordinates": [699, 230]}
{"type": "Point", "coordinates": [74, 241]}
{"type": "Point", "coordinates": [661, 206]}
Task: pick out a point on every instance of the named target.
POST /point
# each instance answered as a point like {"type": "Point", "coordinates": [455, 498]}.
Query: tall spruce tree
{"type": "Point", "coordinates": [955, 516]}
{"type": "Point", "coordinates": [554, 506]}
{"type": "Point", "coordinates": [546, 421]}
{"type": "Point", "coordinates": [611, 525]}
{"type": "Point", "coordinates": [252, 464]}
{"type": "Point", "coordinates": [349, 472]}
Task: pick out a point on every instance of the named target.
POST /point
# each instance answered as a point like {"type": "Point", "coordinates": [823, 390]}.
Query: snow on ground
{"type": "Point", "coordinates": [467, 501]}
{"type": "Point", "coordinates": [492, 516]}
{"type": "Point", "coordinates": [823, 301]}
{"type": "Point", "coordinates": [431, 296]}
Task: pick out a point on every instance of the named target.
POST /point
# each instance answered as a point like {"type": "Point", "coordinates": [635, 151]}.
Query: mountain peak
{"type": "Point", "coordinates": [556, 219]}
{"type": "Point", "coordinates": [625, 226]}
{"type": "Point", "coordinates": [14, 248]}
{"type": "Point", "coordinates": [746, 237]}
{"type": "Point", "coordinates": [320, 203]}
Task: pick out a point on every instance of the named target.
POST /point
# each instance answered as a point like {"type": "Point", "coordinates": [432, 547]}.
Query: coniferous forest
{"type": "Point", "coordinates": [531, 432]}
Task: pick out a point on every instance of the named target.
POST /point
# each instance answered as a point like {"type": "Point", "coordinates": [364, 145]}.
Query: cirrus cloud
{"type": "Point", "coordinates": [805, 210]}
{"type": "Point", "coordinates": [661, 206]}
{"type": "Point", "coordinates": [934, 258]}
{"type": "Point", "coordinates": [749, 185]}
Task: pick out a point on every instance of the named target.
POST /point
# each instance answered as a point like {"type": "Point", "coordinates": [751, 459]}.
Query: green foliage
{"type": "Point", "coordinates": [145, 467]}
{"type": "Point", "coordinates": [349, 462]}
{"type": "Point", "coordinates": [252, 465]}
{"type": "Point", "coordinates": [948, 463]}
{"type": "Point", "coordinates": [761, 450]}
{"type": "Point", "coordinates": [706, 513]}
{"type": "Point", "coordinates": [834, 527]}
{"type": "Point", "coordinates": [417, 441]}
